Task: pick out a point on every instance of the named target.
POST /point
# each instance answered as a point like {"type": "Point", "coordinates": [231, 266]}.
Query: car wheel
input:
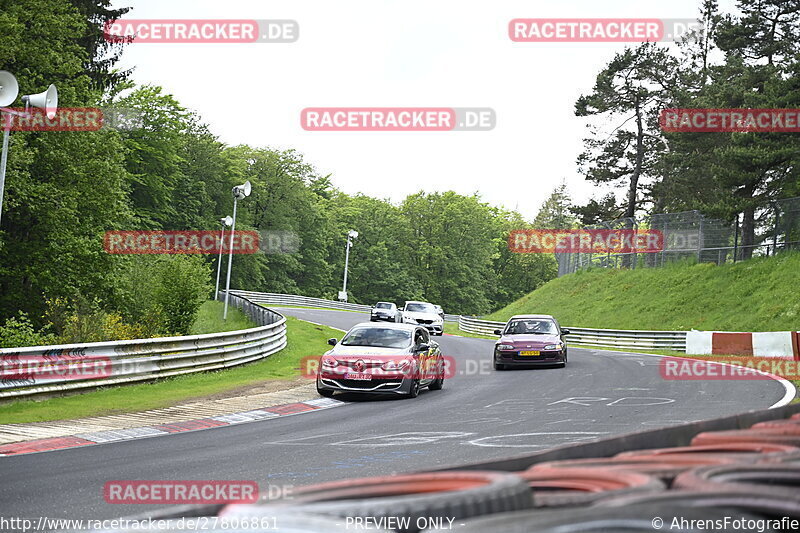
{"type": "Point", "coordinates": [497, 366]}
{"type": "Point", "coordinates": [413, 392]}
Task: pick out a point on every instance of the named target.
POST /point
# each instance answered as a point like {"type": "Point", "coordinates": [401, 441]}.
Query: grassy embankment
{"type": "Point", "coordinates": [754, 295]}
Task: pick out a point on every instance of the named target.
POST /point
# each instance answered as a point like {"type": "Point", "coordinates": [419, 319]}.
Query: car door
{"type": "Point", "coordinates": [425, 361]}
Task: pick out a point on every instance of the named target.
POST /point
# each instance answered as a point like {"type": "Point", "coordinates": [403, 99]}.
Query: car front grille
{"type": "Point", "coordinates": [544, 356]}
{"type": "Point", "coordinates": [382, 384]}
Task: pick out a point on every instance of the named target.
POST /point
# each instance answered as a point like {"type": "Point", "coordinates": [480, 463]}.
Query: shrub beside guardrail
{"type": "Point", "coordinates": [70, 367]}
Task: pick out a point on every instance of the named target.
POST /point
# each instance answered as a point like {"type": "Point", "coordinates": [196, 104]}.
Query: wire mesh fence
{"type": "Point", "coordinates": [692, 236]}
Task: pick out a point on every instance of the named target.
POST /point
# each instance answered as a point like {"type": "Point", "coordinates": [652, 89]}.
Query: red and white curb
{"type": "Point", "coordinates": [102, 437]}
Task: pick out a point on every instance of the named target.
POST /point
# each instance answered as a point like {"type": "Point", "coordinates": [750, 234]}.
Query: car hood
{"type": "Point", "coordinates": [529, 341]}
{"type": "Point", "coordinates": [343, 352]}
{"type": "Point", "coordinates": [424, 316]}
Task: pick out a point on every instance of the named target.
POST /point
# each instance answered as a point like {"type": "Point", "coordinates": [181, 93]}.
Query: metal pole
{"type": "Point", "coordinates": [219, 262]}
{"type": "Point", "coordinates": [230, 261]}
{"type": "Point", "coordinates": [346, 261]}
{"type": "Point", "coordinates": [775, 229]}
{"type": "Point", "coordinates": [735, 237]}
{"type": "Point", "coordinates": [6, 130]}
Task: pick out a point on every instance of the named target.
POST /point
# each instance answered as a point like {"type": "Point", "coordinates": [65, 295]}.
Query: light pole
{"type": "Point", "coordinates": [47, 100]}
{"type": "Point", "coordinates": [239, 192]}
{"type": "Point", "coordinates": [227, 221]}
{"type": "Point", "coordinates": [352, 234]}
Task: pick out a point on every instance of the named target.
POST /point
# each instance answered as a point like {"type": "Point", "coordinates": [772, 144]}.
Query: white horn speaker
{"type": "Point", "coordinates": [47, 100]}
{"type": "Point", "coordinates": [8, 88]}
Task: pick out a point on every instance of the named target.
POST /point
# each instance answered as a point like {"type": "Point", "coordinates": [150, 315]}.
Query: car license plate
{"type": "Point", "coordinates": [530, 352]}
{"type": "Point", "coordinates": [360, 377]}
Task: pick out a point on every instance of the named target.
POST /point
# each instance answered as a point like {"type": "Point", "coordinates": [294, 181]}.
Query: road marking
{"type": "Point", "coordinates": [570, 437]}
{"type": "Point", "coordinates": [400, 439]}
{"type": "Point", "coordinates": [789, 388]}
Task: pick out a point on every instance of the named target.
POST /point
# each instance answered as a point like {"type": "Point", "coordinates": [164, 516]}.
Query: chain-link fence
{"type": "Point", "coordinates": [690, 235]}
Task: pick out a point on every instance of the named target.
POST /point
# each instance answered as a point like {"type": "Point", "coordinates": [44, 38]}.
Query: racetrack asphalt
{"type": "Point", "coordinates": [479, 415]}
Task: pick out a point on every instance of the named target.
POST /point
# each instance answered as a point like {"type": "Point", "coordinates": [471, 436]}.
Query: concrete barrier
{"type": "Point", "coordinates": [780, 344]}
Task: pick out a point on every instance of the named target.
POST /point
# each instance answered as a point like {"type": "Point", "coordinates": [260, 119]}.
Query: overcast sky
{"type": "Point", "coordinates": [392, 53]}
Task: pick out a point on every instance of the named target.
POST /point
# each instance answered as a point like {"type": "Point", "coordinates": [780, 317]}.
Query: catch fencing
{"type": "Point", "coordinates": [614, 338]}
{"type": "Point", "coordinates": [70, 367]}
{"type": "Point", "coordinates": [690, 235]}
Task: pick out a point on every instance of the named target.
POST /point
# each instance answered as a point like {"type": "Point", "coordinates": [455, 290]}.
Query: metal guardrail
{"type": "Point", "coordinates": [69, 367]}
{"type": "Point", "coordinates": [616, 338]}
{"type": "Point", "coordinates": [276, 299]}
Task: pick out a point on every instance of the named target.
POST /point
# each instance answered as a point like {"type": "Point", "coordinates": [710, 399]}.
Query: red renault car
{"type": "Point", "coordinates": [530, 340]}
{"type": "Point", "coordinates": [396, 359]}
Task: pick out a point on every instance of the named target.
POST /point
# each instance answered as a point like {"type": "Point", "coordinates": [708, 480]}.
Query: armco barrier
{"type": "Point", "coordinates": [276, 299]}
{"type": "Point", "coordinates": [142, 359]}
{"type": "Point", "coordinates": [617, 338]}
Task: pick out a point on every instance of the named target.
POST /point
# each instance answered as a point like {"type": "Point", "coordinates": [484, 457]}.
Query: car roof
{"type": "Point", "coordinates": [390, 303]}
{"type": "Point", "coordinates": [390, 325]}
{"type": "Point", "coordinates": [532, 316]}
{"type": "Point", "coordinates": [417, 302]}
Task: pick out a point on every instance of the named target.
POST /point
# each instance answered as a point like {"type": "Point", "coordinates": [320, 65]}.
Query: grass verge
{"type": "Point", "coordinates": [452, 328]}
{"type": "Point", "coordinates": [209, 319]}
{"type": "Point", "coordinates": [304, 339]}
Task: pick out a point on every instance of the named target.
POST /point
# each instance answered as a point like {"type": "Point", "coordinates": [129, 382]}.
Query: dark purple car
{"type": "Point", "coordinates": [530, 340]}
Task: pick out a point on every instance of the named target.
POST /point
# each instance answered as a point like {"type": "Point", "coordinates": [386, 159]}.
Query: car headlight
{"type": "Point", "coordinates": [329, 362]}
{"type": "Point", "coordinates": [505, 347]}
{"type": "Point", "coordinates": [553, 346]}
{"type": "Point", "coordinates": [396, 365]}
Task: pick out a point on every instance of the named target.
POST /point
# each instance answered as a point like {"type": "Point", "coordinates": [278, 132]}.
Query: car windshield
{"type": "Point", "coordinates": [532, 326]}
{"type": "Point", "coordinates": [421, 308]}
{"type": "Point", "coordinates": [378, 337]}
{"type": "Point", "coordinates": [383, 305]}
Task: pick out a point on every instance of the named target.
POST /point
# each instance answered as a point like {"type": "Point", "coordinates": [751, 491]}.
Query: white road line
{"type": "Point", "coordinates": [789, 395]}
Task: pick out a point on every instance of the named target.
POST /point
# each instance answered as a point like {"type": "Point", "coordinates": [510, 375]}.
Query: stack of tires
{"type": "Point", "coordinates": [742, 480]}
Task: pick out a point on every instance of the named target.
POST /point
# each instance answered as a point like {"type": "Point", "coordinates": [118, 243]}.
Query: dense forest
{"type": "Point", "coordinates": [64, 190]}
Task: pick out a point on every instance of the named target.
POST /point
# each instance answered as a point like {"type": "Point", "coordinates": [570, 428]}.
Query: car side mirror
{"type": "Point", "coordinates": [424, 347]}
{"type": "Point", "coordinates": [565, 332]}
{"type": "Point", "coordinates": [332, 342]}
{"type": "Point", "coordinates": [498, 332]}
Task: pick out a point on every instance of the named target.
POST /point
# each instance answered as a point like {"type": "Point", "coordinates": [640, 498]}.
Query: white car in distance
{"type": "Point", "coordinates": [423, 314]}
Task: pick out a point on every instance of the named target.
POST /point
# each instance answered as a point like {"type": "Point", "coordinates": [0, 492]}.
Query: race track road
{"type": "Point", "coordinates": [479, 415]}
